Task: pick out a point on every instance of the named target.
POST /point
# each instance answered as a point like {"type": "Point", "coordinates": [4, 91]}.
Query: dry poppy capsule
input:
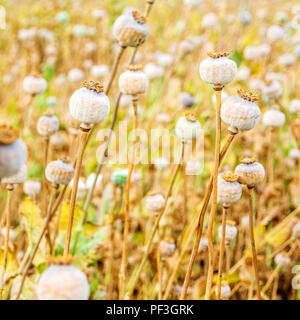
{"type": "Point", "coordinates": [281, 258]}
{"type": "Point", "coordinates": [203, 245]}
{"type": "Point", "coordinates": [75, 75]}
{"type": "Point", "coordinates": [186, 47]}
{"type": "Point", "coordinates": [229, 189]}
{"type": "Point", "coordinates": [294, 154]}
{"type": "Point", "coordinates": [164, 59]}
{"type": "Point", "coordinates": [193, 167]}
{"type": "Point", "coordinates": [296, 230]}
{"type": "Point", "coordinates": [287, 60]}
{"type": "Point", "coordinates": [250, 172]}
{"type": "Point", "coordinates": [252, 53]}
{"type": "Point", "coordinates": [155, 201]}
{"type": "Point", "coordinates": [295, 106]}
{"type": "Point", "coordinates": [99, 14]}
{"type": "Point", "coordinates": [217, 69]}
{"type": "Point", "coordinates": [241, 111]}
{"type": "Point", "coordinates": [230, 231]}
{"type": "Point", "coordinates": [91, 178]}
{"type": "Point", "coordinates": [62, 282]}
{"type": "Point", "coordinates": [209, 20]}
{"type": "Point", "coordinates": [47, 124]}
{"type": "Point", "coordinates": [153, 71]}
{"type": "Point", "coordinates": [225, 291]}
{"type": "Point", "coordinates": [188, 128]}
{"type": "Point", "coordinates": [17, 178]}
{"type": "Point", "coordinates": [275, 33]}
{"type": "Point", "coordinates": [187, 100]}
{"type": "Point", "coordinates": [13, 151]}
{"type": "Point", "coordinates": [272, 89]}
{"type": "Point", "coordinates": [243, 74]}
{"type": "Point", "coordinates": [133, 81]}
{"type": "Point", "coordinates": [32, 187]}
{"type": "Point", "coordinates": [161, 163]}
{"type": "Point", "coordinates": [89, 104]}
{"type": "Point", "coordinates": [166, 248]}
{"type": "Point", "coordinates": [59, 171]}
{"type": "Point", "coordinates": [193, 3]}
{"type": "Point", "coordinates": [273, 118]}
{"type": "Point", "coordinates": [34, 84]}
{"type": "Point", "coordinates": [130, 29]}
{"type": "Point", "coordinates": [99, 72]}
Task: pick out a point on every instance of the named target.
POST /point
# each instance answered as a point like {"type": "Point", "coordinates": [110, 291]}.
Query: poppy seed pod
{"type": "Point", "coordinates": [188, 128]}
{"type": "Point", "coordinates": [17, 178]}
{"type": "Point", "coordinates": [155, 202]}
{"type": "Point", "coordinates": [218, 69]}
{"type": "Point", "coordinates": [297, 51]}
{"type": "Point", "coordinates": [250, 172]}
{"type": "Point", "coordinates": [209, 20]}
{"type": "Point", "coordinates": [186, 100]}
{"type": "Point", "coordinates": [283, 259]}
{"type": "Point", "coordinates": [133, 81]}
{"type": "Point", "coordinates": [119, 177]}
{"type": "Point", "coordinates": [287, 59]}
{"type": "Point", "coordinates": [186, 47]}
{"type": "Point", "coordinates": [295, 106]}
{"type": "Point", "coordinates": [272, 89]}
{"type": "Point", "coordinates": [62, 282]}
{"type": "Point", "coordinates": [229, 189]}
{"type": "Point", "coordinates": [296, 230]}
{"type": "Point", "coordinates": [59, 172]}
{"type": "Point", "coordinates": [252, 52]}
{"type": "Point", "coordinates": [193, 167]}
{"type": "Point", "coordinates": [230, 231]}
{"type": "Point", "coordinates": [13, 151]}
{"type": "Point", "coordinates": [32, 187]}
{"type": "Point", "coordinates": [203, 245]}
{"type": "Point", "coordinates": [273, 118]}
{"type": "Point", "coordinates": [164, 59]}
{"type": "Point", "coordinates": [75, 75]}
{"type": "Point", "coordinates": [153, 71]}
{"type": "Point", "coordinates": [47, 124]}
{"type": "Point", "coordinates": [99, 14]}
{"type": "Point", "coordinates": [243, 74]}
{"type": "Point", "coordinates": [161, 163]}
{"type": "Point", "coordinates": [275, 33]}
{"type": "Point", "coordinates": [225, 291]}
{"type": "Point", "coordinates": [193, 3]}
{"type": "Point", "coordinates": [294, 154]}
{"type": "Point", "coordinates": [241, 111]}
{"type": "Point", "coordinates": [166, 248]}
{"type": "Point", "coordinates": [89, 104]}
{"type": "Point", "coordinates": [100, 71]}
{"type": "Point", "coordinates": [91, 179]}
{"type": "Point", "coordinates": [34, 84]}
{"type": "Point", "coordinates": [130, 29]}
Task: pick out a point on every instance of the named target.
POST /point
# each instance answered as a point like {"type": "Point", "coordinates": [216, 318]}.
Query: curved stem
{"type": "Point", "coordinates": [136, 275]}
{"type": "Point", "coordinates": [251, 232]}
{"type": "Point", "coordinates": [214, 196]}
{"type": "Point", "coordinates": [50, 214]}
{"type": "Point", "coordinates": [83, 138]}
{"type": "Point", "coordinates": [127, 205]}
{"type": "Point", "coordinates": [45, 188]}
{"type": "Point", "coordinates": [221, 256]}
{"type": "Point", "coordinates": [231, 134]}
{"type": "Point", "coordinates": [100, 164]}
{"type": "Point", "coordinates": [114, 69]}
{"type": "Point", "coordinates": [6, 242]}
{"type": "Point", "coordinates": [270, 170]}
